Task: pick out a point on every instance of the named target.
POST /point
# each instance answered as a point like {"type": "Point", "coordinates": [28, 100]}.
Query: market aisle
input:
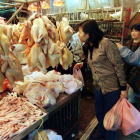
{"type": "Point", "coordinates": [87, 113]}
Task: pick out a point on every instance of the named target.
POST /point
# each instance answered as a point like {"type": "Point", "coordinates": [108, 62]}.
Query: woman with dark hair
{"type": "Point", "coordinates": [131, 55]}
{"type": "Point", "coordinates": [107, 70]}
{"type": "Point", "coordinates": [133, 44]}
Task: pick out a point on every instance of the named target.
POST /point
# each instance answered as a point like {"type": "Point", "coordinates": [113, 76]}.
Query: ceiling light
{"type": "Point", "coordinates": [45, 5]}
{"type": "Point", "coordinates": [32, 7]}
{"type": "Point", "coordinates": [58, 3]}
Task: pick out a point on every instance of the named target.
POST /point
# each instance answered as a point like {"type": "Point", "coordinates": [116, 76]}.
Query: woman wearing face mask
{"type": "Point", "coordinates": [107, 70]}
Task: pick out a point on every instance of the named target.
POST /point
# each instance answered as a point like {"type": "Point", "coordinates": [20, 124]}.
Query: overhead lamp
{"type": "Point", "coordinates": [58, 3]}
{"type": "Point", "coordinates": [45, 5]}
{"type": "Point", "coordinates": [32, 7]}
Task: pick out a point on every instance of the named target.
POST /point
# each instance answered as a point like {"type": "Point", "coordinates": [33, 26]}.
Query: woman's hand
{"type": "Point", "coordinates": [119, 45]}
{"type": "Point", "coordinates": [123, 95]}
{"type": "Point", "coordinates": [78, 65]}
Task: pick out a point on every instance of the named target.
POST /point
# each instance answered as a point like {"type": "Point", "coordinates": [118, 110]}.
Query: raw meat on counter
{"type": "Point", "coordinates": [70, 83]}
{"type": "Point", "coordinates": [16, 114]}
{"type": "Point", "coordinates": [43, 89]}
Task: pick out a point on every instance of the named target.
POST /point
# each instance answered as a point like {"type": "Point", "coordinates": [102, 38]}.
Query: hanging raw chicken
{"type": "Point", "coordinates": [39, 32]}
{"type": "Point", "coordinates": [65, 31]}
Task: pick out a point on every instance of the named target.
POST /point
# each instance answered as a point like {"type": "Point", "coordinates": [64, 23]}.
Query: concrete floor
{"type": "Point", "coordinates": [87, 113]}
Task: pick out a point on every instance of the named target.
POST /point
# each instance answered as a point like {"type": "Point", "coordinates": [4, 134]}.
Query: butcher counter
{"type": "Point", "coordinates": [63, 117]}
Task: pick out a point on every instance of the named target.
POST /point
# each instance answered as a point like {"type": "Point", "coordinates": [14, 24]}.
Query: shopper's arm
{"type": "Point", "coordinates": [132, 58]}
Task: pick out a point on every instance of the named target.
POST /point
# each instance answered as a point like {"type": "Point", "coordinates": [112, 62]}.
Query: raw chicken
{"type": "Point", "coordinates": [36, 58]}
{"type": "Point", "coordinates": [1, 81]}
{"type": "Point", "coordinates": [39, 95]}
{"type": "Point", "coordinates": [25, 36]}
{"type": "Point", "coordinates": [4, 43]}
{"type": "Point", "coordinates": [54, 55]}
{"type": "Point", "coordinates": [70, 83]}
{"type": "Point", "coordinates": [18, 50]}
{"type": "Point", "coordinates": [39, 32]}
{"type": "Point", "coordinates": [67, 57]}
{"type": "Point", "coordinates": [25, 70]}
{"type": "Point", "coordinates": [52, 31]}
{"type": "Point", "coordinates": [15, 73]}
{"type": "Point", "coordinates": [16, 115]}
{"type": "Point", "coordinates": [15, 34]}
{"type": "Point", "coordinates": [52, 76]}
{"type": "Point", "coordinates": [65, 31]}
{"type": "Point", "coordinates": [31, 18]}
{"type": "Point", "coordinates": [55, 88]}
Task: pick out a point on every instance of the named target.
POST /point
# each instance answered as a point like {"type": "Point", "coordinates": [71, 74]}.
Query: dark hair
{"type": "Point", "coordinates": [136, 27]}
{"type": "Point", "coordinates": [95, 33]}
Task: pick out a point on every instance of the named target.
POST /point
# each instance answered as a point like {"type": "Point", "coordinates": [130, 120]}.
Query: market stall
{"type": "Point", "coordinates": [38, 85]}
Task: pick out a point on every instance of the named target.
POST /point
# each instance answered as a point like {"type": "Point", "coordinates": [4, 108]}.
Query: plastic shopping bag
{"type": "Point", "coordinates": [78, 74]}
{"type": "Point", "coordinates": [113, 117]}
{"type": "Point", "coordinates": [130, 118]}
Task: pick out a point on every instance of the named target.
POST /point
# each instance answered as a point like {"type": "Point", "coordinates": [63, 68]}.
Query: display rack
{"type": "Point", "coordinates": [112, 30]}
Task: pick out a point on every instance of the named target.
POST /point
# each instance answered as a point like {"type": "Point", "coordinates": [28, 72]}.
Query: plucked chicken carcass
{"type": "Point", "coordinates": [39, 32]}
{"type": "Point", "coordinates": [7, 29]}
{"type": "Point", "coordinates": [1, 81]}
{"type": "Point", "coordinates": [67, 57]}
{"type": "Point", "coordinates": [25, 36]}
{"type": "Point", "coordinates": [52, 31]}
{"type": "Point", "coordinates": [4, 43]}
{"type": "Point", "coordinates": [54, 55]}
{"type": "Point", "coordinates": [31, 18]}
{"type": "Point", "coordinates": [65, 31]}
{"type": "Point", "coordinates": [15, 73]}
{"type": "Point", "coordinates": [15, 34]}
{"type": "Point", "coordinates": [18, 50]}
{"type": "Point", "coordinates": [36, 58]}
